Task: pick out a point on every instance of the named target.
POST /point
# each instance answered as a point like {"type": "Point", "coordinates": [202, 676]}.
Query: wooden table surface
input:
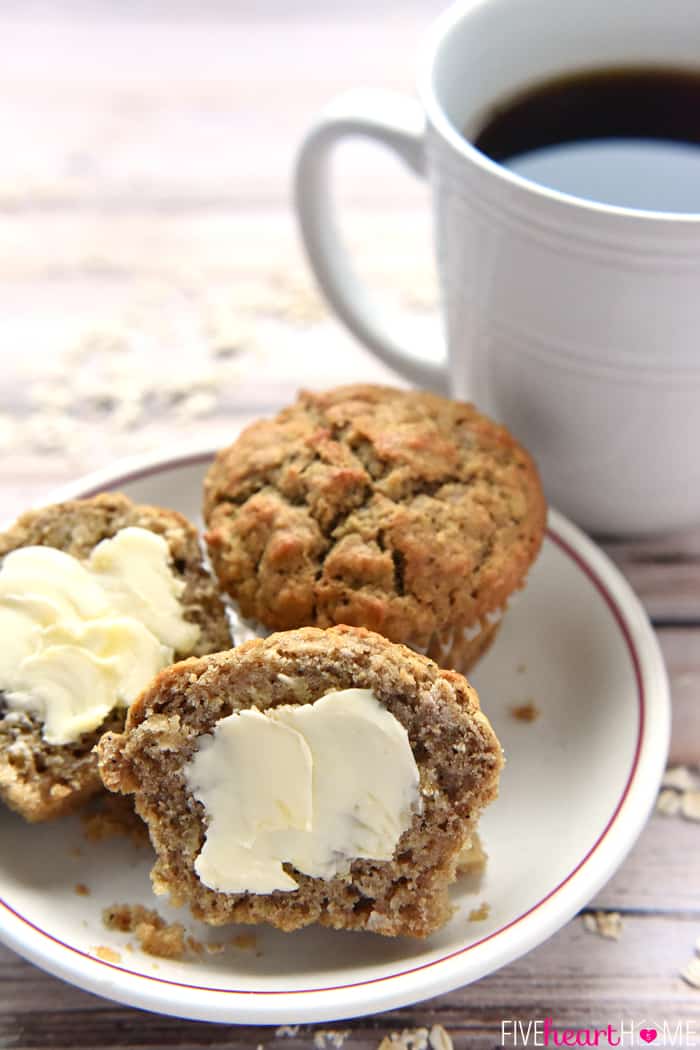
{"type": "Point", "coordinates": [152, 293]}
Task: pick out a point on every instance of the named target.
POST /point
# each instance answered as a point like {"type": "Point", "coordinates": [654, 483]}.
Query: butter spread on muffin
{"type": "Point", "coordinates": [82, 638]}
{"type": "Point", "coordinates": [95, 594]}
{"type": "Point", "coordinates": [315, 786]}
{"type": "Point", "coordinates": [325, 776]}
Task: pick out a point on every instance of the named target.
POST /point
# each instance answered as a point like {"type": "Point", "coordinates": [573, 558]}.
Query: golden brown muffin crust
{"type": "Point", "coordinates": [396, 510]}
{"type": "Point", "coordinates": [457, 754]}
{"type": "Point", "coordinates": [41, 780]}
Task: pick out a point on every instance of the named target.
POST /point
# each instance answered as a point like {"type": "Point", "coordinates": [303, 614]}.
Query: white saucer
{"type": "Point", "coordinates": [576, 790]}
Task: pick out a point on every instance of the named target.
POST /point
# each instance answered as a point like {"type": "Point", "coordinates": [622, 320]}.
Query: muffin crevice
{"type": "Point", "coordinates": [396, 510]}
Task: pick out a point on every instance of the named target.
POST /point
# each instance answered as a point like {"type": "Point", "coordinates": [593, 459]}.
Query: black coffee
{"type": "Point", "coordinates": [622, 136]}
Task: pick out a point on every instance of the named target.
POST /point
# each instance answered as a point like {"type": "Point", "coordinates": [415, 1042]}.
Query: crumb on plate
{"type": "Point", "coordinates": [247, 942]}
{"type": "Point", "coordinates": [154, 934]}
{"type": "Point", "coordinates": [472, 858]}
{"type": "Point", "coordinates": [480, 913]}
{"type": "Point", "coordinates": [527, 712]}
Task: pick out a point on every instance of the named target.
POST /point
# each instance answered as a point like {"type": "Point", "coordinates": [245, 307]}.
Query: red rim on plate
{"type": "Point", "coordinates": [613, 605]}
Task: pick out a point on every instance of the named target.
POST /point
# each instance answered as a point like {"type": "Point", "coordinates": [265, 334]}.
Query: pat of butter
{"type": "Point", "coordinates": [134, 572]}
{"type": "Point", "coordinates": [80, 638]}
{"type": "Point", "coordinates": [315, 786]}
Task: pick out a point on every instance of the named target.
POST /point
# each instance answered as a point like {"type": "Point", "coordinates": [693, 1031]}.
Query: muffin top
{"type": "Point", "coordinates": [399, 511]}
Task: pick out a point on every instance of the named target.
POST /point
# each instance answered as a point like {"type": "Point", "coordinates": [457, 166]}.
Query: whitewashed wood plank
{"type": "Point", "coordinates": [665, 573]}
{"type": "Point", "coordinates": [162, 300]}
{"type": "Point", "coordinates": [660, 873]}
{"type": "Point", "coordinates": [681, 649]}
{"type": "Point", "coordinates": [577, 978]}
{"type": "Point", "coordinates": [155, 107]}
{"type": "Point", "coordinates": [143, 253]}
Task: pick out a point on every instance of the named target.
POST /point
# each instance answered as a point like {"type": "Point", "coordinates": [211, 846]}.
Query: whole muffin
{"type": "Point", "coordinates": [39, 778]}
{"type": "Point", "coordinates": [399, 772]}
{"type": "Point", "coordinates": [400, 511]}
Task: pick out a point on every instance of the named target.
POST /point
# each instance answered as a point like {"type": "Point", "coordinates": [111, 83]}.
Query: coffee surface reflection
{"type": "Point", "coordinates": [628, 136]}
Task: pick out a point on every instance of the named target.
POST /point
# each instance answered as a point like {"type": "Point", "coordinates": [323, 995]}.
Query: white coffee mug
{"type": "Point", "coordinates": [574, 322]}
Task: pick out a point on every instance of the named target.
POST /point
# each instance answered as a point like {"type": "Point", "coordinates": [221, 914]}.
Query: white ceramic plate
{"type": "Point", "coordinates": [577, 788]}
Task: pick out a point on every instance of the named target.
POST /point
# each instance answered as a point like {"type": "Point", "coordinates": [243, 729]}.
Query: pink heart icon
{"type": "Point", "coordinates": [648, 1034]}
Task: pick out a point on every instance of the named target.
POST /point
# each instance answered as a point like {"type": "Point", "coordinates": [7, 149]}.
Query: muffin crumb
{"type": "Point", "coordinates": [480, 913]}
{"type": "Point", "coordinates": [527, 712]}
{"type": "Point", "coordinates": [82, 890]}
{"type": "Point", "coordinates": [245, 942]}
{"type": "Point", "coordinates": [107, 954]}
{"type": "Point", "coordinates": [472, 859]}
{"type": "Point", "coordinates": [156, 937]}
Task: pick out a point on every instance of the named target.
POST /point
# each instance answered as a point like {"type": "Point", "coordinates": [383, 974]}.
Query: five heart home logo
{"type": "Point", "coordinates": [544, 1032]}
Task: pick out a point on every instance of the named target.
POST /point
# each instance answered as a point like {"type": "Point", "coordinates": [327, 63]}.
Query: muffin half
{"type": "Point", "coordinates": [314, 776]}
{"type": "Point", "coordinates": [400, 511]}
{"type": "Point", "coordinates": [96, 596]}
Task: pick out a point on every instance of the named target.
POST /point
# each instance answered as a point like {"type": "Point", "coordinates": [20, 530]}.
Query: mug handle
{"type": "Point", "coordinates": [395, 121]}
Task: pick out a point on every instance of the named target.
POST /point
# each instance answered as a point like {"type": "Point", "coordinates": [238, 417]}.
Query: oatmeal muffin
{"type": "Point", "coordinates": [77, 639]}
{"type": "Point", "coordinates": [399, 511]}
{"type": "Point", "coordinates": [381, 761]}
